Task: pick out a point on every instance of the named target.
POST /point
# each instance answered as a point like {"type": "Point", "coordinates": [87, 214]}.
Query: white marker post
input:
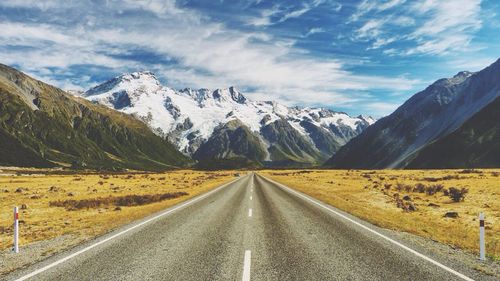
{"type": "Point", "coordinates": [16, 230]}
{"type": "Point", "coordinates": [482, 249]}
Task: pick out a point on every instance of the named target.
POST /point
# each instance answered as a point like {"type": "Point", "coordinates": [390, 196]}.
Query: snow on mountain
{"type": "Point", "coordinates": [188, 117]}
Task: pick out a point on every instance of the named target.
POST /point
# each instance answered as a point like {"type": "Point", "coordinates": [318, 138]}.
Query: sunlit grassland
{"type": "Point", "coordinates": [41, 221]}
{"type": "Point", "coordinates": [371, 195]}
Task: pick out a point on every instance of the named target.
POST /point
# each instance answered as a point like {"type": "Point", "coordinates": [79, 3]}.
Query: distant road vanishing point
{"type": "Point", "coordinates": [249, 229]}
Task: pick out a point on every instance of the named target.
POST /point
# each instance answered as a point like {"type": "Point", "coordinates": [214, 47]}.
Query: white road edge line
{"type": "Point", "coordinates": [246, 265]}
{"type": "Point", "coordinates": [191, 201]}
{"type": "Point", "coordinates": [374, 232]}
{"type": "Point", "coordinates": [250, 212]}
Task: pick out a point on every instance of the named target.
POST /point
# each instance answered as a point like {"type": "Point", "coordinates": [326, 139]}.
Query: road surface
{"type": "Point", "coordinates": [250, 229]}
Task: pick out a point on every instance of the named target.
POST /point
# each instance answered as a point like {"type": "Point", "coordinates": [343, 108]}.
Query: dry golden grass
{"type": "Point", "coordinates": [40, 221]}
{"type": "Point", "coordinates": [370, 196]}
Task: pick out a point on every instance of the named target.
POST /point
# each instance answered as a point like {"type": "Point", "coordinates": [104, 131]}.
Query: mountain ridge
{"type": "Point", "coordinates": [43, 126]}
{"type": "Point", "coordinates": [427, 116]}
{"type": "Point", "coordinates": [190, 117]}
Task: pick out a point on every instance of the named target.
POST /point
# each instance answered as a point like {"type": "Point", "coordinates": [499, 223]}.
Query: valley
{"type": "Point", "coordinates": [249, 140]}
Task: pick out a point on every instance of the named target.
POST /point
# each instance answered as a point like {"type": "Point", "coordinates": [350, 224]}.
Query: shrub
{"type": "Point", "coordinates": [433, 189]}
{"type": "Point", "coordinates": [419, 188]}
{"type": "Point", "coordinates": [470, 171]}
{"type": "Point", "coordinates": [431, 179]}
{"type": "Point", "coordinates": [457, 194]}
{"type": "Point", "coordinates": [448, 177]}
{"type": "Point", "coordinates": [127, 200]}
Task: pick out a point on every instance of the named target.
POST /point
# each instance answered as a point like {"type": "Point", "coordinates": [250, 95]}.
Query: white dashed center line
{"type": "Point", "coordinates": [246, 265]}
{"type": "Point", "coordinates": [249, 212]}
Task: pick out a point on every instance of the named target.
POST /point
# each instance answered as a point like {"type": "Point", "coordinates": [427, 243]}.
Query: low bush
{"type": "Point", "coordinates": [471, 171]}
{"type": "Point", "coordinates": [448, 177]}
{"type": "Point", "coordinates": [420, 188]}
{"type": "Point", "coordinates": [433, 189]}
{"type": "Point", "coordinates": [457, 194]}
{"type": "Point", "coordinates": [127, 200]}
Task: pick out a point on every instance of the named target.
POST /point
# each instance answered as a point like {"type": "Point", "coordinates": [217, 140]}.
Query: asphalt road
{"type": "Point", "coordinates": [250, 229]}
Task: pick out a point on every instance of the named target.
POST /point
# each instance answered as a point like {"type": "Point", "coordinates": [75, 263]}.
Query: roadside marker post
{"type": "Point", "coordinates": [16, 230]}
{"type": "Point", "coordinates": [482, 249]}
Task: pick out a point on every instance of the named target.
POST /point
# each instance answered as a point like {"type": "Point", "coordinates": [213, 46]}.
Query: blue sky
{"type": "Point", "coordinates": [361, 57]}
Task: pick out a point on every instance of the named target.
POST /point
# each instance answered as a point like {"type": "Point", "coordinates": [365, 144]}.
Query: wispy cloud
{"type": "Point", "coordinates": [295, 13]}
{"type": "Point", "coordinates": [283, 14]}
{"type": "Point", "coordinates": [379, 109]}
{"type": "Point", "coordinates": [265, 17]}
{"type": "Point", "coordinates": [367, 6]}
{"type": "Point", "coordinates": [207, 54]}
{"type": "Point", "coordinates": [438, 27]}
{"type": "Point", "coordinates": [450, 27]}
{"type": "Point", "coordinates": [268, 49]}
{"type": "Point", "coordinates": [314, 30]}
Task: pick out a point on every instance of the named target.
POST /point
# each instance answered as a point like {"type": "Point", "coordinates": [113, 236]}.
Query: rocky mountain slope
{"type": "Point", "coordinates": [226, 126]}
{"type": "Point", "coordinates": [43, 126]}
{"type": "Point", "coordinates": [428, 117]}
{"type": "Point", "coordinates": [476, 144]}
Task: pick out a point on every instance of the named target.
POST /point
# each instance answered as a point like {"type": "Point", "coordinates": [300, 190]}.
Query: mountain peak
{"type": "Point", "coordinates": [456, 79]}
{"type": "Point", "coordinates": [460, 77]}
{"type": "Point", "coordinates": [463, 74]}
{"type": "Point", "coordinates": [236, 95]}
{"type": "Point", "coordinates": [367, 118]}
{"type": "Point", "coordinates": [141, 81]}
{"type": "Point", "coordinates": [141, 76]}
{"type": "Point", "coordinates": [229, 94]}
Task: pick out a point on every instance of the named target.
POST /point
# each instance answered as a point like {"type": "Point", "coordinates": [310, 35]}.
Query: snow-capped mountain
{"type": "Point", "coordinates": [427, 118]}
{"type": "Point", "coordinates": [190, 118]}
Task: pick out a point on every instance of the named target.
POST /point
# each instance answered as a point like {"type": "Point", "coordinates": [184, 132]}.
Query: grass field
{"type": "Point", "coordinates": [380, 198]}
{"type": "Point", "coordinates": [86, 206]}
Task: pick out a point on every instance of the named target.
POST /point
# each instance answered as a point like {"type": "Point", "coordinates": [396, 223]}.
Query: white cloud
{"type": "Point", "coordinates": [380, 42]}
{"type": "Point", "coordinates": [158, 7]}
{"type": "Point", "coordinates": [403, 21]}
{"type": "Point", "coordinates": [371, 29]}
{"type": "Point", "coordinates": [389, 4]}
{"type": "Point", "coordinates": [470, 63]}
{"type": "Point", "coordinates": [295, 13]}
{"type": "Point", "coordinates": [26, 34]}
{"type": "Point", "coordinates": [207, 54]}
{"type": "Point", "coordinates": [265, 17]}
{"type": "Point", "coordinates": [42, 5]}
{"type": "Point", "coordinates": [380, 109]}
{"type": "Point", "coordinates": [436, 27]}
{"type": "Point", "coordinates": [451, 26]}
{"type": "Point", "coordinates": [367, 6]}
{"type": "Point", "coordinates": [314, 30]}
{"type": "Point", "coordinates": [337, 7]}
